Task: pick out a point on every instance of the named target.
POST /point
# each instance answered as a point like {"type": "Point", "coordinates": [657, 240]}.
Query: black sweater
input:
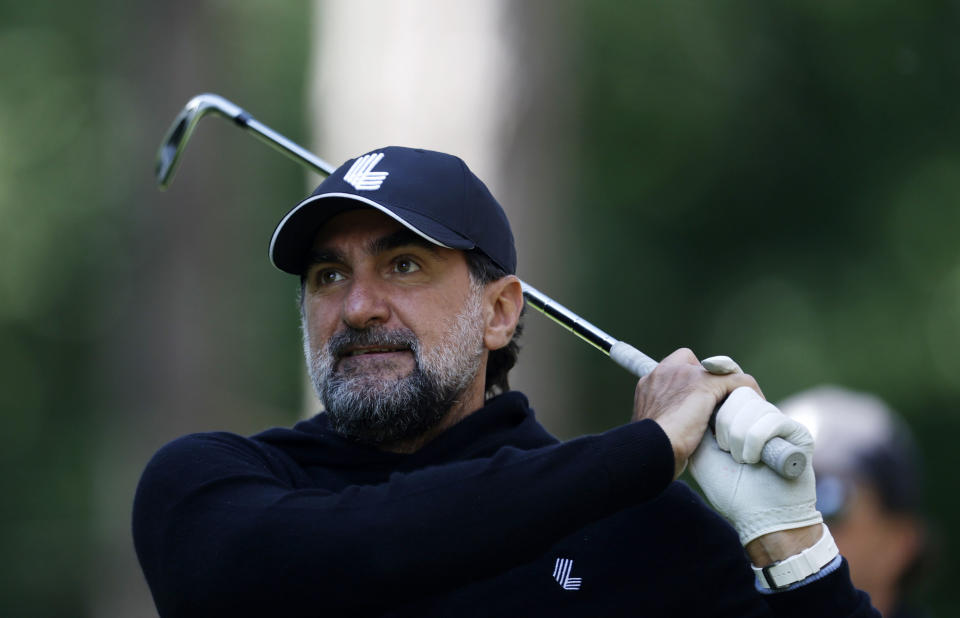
{"type": "Point", "coordinates": [481, 521]}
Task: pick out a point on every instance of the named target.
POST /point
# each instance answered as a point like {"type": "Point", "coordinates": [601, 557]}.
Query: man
{"type": "Point", "coordinates": [868, 489]}
{"type": "Point", "coordinates": [420, 491]}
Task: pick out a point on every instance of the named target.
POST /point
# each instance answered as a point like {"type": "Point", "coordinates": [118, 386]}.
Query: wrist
{"type": "Point", "coordinates": [798, 567]}
{"type": "Point", "coordinates": [681, 451]}
{"type": "Point", "coordinates": [777, 546]}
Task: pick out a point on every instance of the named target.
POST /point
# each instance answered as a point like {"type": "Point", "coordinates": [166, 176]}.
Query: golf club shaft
{"type": "Point", "coordinates": [270, 137]}
{"type": "Point", "coordinates": [778, 454]}
{"type": "Point", "coordinates": [788, 460]}
{"type": "Point", "coordinates": [625, 355]}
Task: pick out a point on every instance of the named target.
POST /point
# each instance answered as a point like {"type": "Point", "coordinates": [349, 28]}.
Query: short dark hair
{"type": "Point", "coordinates": [483, 270]}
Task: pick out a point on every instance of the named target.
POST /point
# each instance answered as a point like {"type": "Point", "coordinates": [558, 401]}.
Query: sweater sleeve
{"type": "Point", "coordinates": [831, 595]}
{"type": "Point", "coordinates": [218, 532]}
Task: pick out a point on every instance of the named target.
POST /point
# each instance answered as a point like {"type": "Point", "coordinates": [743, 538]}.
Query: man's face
{"type": "Point", "coordinates": [393, 328]}
{"type": "Point", "coordinates": [880, 545]}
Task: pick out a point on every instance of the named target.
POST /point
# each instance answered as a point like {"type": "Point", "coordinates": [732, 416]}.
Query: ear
{"type": "Point", "coordinates": [503, 302]}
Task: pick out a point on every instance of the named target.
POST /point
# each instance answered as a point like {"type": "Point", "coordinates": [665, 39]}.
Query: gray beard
{"type": "Point", "coordinates": [376, 410]}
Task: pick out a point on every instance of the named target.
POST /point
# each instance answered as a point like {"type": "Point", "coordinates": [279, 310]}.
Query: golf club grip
{"type": "Point", "coordinates": [632, 359]}
{"type": "Point", "coordinates": [784, 458]}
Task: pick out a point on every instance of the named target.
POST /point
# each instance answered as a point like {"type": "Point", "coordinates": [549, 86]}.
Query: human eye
{"type": "Point", "coordinates": [405, 265]}
{"type": "Point", "coordinates": [327, 276]}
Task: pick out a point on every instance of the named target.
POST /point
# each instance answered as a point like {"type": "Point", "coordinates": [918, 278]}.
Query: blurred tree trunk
{"type": "Point", "coordinates": [197, 318]}
{"type": "Point", "coordinates": [160, 349]}
{"type": "Point", "coordinates": [481, 80]}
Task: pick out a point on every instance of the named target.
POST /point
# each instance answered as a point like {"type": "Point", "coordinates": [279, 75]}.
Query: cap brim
{"type": "Point", "coordinates": [295, 233]}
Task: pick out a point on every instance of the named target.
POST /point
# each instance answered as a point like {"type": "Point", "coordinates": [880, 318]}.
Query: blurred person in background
{"type": "Point", "coordinates": [869, 490]}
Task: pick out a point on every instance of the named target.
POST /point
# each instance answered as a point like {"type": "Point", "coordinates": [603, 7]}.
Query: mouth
{"type": "Point", "coordinates": [373, 356]}
{"type": "Point", "coordinates": [373, 351]}
{"type": "Point", "coordinates": [353, 352]}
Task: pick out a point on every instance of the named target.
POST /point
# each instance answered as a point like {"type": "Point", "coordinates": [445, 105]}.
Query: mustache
{"type": "Point", "coordinates": [351, 338]}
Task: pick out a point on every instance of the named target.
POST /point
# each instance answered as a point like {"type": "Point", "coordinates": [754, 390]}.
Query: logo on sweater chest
{"type": "Point", "coordinates": [562, 570]}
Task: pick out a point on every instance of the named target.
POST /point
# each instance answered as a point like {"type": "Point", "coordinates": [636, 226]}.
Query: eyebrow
{"type": "Point", "coordinates": [400, 238]}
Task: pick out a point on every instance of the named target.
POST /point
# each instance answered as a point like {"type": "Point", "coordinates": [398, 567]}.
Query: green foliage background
{"type": "Point", "coordinates": [779, 182]}
{"type": "Point", "coordinates": [126, 315]}
{"type": "Point", "coordinates": [773, 181]}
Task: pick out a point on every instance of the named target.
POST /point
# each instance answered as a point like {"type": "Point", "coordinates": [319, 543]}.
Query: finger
{"type": "Point", "coordinates": [771, 424]}
{"type": "Point", "coordinates": [730, 415]}
{"type": "Point", "coordinates": [721, 365]}
{"type": "Point", "coordinates": [683, 356]}
{"type": "Point", "coordinates": [724, 365]}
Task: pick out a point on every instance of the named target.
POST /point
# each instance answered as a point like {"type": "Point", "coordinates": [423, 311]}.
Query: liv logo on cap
{"type": "Point", "coordinates": [361, 174]}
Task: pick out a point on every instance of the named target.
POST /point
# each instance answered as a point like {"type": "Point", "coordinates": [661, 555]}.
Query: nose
{"type": "Point", "coordinates": [365, 303]}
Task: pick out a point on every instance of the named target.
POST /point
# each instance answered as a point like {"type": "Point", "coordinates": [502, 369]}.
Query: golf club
{"type": "Point", "coordinates": [783, 457]}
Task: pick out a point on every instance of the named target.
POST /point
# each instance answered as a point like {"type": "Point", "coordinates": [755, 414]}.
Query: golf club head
{"type": "Point", "coordinates": [182, 128]}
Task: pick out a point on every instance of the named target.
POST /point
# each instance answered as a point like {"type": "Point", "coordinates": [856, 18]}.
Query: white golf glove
{"type": "Point", "coordinates": [751, 496]}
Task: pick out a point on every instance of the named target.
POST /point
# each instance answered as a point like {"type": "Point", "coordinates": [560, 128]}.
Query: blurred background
{"type": "Point", "coordinates": [773, 181]}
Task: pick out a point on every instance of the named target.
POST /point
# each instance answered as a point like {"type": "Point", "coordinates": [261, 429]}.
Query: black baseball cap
{"type": "Point", "coordinates": [431, 193]}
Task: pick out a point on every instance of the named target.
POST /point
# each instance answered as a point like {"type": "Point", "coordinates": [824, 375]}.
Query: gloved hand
{"type": "Point", "coordinates": [751, 496]}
